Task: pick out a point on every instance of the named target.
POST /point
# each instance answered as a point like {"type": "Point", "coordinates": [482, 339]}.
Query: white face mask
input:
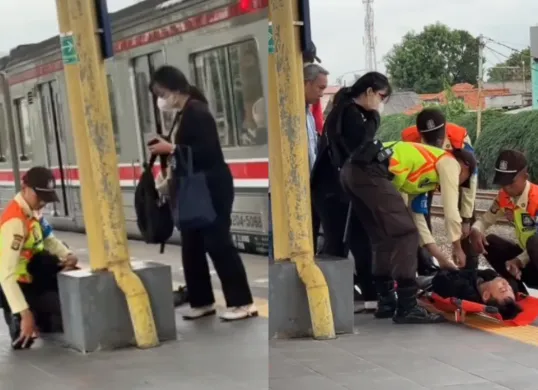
{"type": "Point", "coordinates": [166, 104]}
{"type": "Point", "coordinates": [381, 108]}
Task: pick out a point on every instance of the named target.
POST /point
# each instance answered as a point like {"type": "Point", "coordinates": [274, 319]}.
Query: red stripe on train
{"type": "Point", "coordinates": [240, 171]}
{"type": "Point", "coordinates": [190, 24]}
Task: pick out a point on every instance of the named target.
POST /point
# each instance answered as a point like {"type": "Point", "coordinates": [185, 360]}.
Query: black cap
{"type": "Point", "coordinates": [508, 165]}
{"type": "Point", "coordinates": [42, 181]}
{"type": "Point", "coordinates": [430, 119]}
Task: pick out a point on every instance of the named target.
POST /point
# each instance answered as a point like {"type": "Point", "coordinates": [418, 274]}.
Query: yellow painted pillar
{"type": "Point", "coordinates": [92, 216]}
{"type": "Point", "coordinates": [281, 246]}
{"type": "Point", "coordinates": [293, 160]}
{"type": "Point", "coordinates": [93, 125]}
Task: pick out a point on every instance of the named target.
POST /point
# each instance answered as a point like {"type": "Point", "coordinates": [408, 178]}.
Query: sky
{"type": "Point", "coordinates": [338, 25]}
{"type": "Point", "coordinates": [31, 21]}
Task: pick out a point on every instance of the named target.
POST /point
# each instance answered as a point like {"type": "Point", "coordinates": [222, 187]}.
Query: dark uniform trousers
{"type": "Point", "coordinates": [472, 257]}
{"type": "Point", "coordinates": [501, 250]}
{"type": "Point", "coordinates": [42, 294]}
{"type": "Point", "coordinates": [333, 212]}
{"type": "Point", "coordinates": [380, 207]}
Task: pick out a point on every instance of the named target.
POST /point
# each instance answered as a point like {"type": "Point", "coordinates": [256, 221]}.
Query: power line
{"type": "Point", "coordinates": [516, 51]}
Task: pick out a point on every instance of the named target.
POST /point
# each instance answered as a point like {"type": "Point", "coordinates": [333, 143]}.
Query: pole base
{"type": "Point", "coordinates": [95, 313]}
{"type": "Point", "coordinates": [288, 302]}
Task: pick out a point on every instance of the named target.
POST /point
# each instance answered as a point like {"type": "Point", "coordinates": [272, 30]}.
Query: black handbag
{"type": "Point", "coordinates": [193, 203]}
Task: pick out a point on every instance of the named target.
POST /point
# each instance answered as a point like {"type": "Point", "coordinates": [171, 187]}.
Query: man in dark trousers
{"type": "Point", "coordinates": [481, 286]}
{"type": "Point", "coordinates": [432, 129]}
{"type": "Point", "coordinates": [30, 260]}
{"type": "Point", "coordinates": [517, 201]}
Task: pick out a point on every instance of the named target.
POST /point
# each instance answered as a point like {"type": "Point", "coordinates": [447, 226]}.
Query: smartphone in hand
{"type": "Point", "coordinates": [154, 141]}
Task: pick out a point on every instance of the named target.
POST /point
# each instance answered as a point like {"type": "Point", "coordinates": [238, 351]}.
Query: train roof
{"type": "Point", "coordinates": [138, 11]}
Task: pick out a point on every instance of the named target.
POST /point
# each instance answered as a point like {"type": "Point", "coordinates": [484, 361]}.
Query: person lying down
{"type": "Point", "coordinates": [480, 286]}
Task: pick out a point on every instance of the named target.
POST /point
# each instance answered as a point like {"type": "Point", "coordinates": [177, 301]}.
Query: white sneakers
{"type": "Point", "coordinates": [230, 314]}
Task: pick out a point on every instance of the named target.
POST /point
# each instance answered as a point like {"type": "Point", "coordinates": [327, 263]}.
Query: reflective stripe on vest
{"type": "Point", "coordinates": [413, 166]}
{"type": "Point", "coordinates": [524, 218]}
{"type": "Point", "coordinates": [33, 242]}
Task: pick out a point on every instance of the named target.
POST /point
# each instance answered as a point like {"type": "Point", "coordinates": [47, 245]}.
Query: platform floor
{"type": "Point", "coordinates": [209, 354]}
{"type": "Point", "coordinates": [384, 356]}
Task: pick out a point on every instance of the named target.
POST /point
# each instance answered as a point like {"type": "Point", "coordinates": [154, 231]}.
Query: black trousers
{"type": "Point", "coordinates": [333, 212]}
{"type": "Point", "coordinates": [381, 209]}
{"type": "Point", "coordinates": [216, 241]}
{"type": "Point", "coordinates": [472, 259]}
{"type": "Point", "coordinates": [501, 250]}
{"type": "Point", "coordinates": [42, 294]}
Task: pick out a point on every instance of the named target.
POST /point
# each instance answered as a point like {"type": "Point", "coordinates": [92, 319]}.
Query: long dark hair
{"type": "Point", "coordinates": [175, 80]}
{"type": "Point", "coordinates": [375, 80]}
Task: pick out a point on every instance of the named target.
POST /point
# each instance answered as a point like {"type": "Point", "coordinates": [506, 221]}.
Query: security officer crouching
{"type": "Point", "coordinates": [30, 259]}
{"type": "Point", "coordinates": [432, 129]}
{"type": "Point", "coordinates": [517, 201]}
{"type": "Point", "coordinates": [395, 239]}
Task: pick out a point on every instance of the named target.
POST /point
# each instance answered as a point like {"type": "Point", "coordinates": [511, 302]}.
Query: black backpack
{"type": "Point", "coordinates": [153, 212]}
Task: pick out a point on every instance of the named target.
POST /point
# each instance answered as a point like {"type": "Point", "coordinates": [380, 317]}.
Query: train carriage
{"type": "Point", "coordinates": [220, 44]}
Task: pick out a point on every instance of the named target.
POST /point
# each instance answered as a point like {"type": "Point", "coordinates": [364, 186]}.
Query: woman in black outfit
{"type": "Point", "coordinates": [348, 126]}
{"type": "Point", "coordinates": [198, 130]}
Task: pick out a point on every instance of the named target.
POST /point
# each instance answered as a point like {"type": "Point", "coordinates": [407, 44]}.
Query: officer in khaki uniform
{"type": "Point", "coordinates": [30, 259]}
{"type": "Point", "coordinates": [517, 201]}
{"type": "Point", "coordinates": [432, 129]}
{"type": "Point", "coordinates": [375, 177]}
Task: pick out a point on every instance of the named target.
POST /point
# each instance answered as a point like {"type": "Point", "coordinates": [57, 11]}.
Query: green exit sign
{"type": "Point", "coordinates": [271, 40]}
{"type": "Point", "coordinates": [69, 49]}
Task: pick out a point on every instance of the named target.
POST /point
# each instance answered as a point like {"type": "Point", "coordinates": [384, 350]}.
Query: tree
{"type": "Point", "coordinates": [512, 68]}
{"type": "Point", "coordinates": [424, 62]}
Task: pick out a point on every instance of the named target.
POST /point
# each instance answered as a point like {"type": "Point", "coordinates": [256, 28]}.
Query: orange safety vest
{"type": "Point", "coordinates": [33, 238]}
{"type": "Point", "coordinates": [455, 134]}
{"type": "Point", "coordinates": [524, 219]}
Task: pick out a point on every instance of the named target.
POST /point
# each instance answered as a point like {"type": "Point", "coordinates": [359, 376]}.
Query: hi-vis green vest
{"type": "Point", "coordinates": [524, 218]}
{"type": "Point", "coordinates": [413, 166]}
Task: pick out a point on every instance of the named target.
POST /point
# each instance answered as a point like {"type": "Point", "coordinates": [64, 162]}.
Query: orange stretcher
{"type": "Point", "coordinates": [461, 308]}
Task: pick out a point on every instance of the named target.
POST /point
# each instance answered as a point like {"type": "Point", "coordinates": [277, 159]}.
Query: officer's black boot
{"type": "Point", "coordinates": [15, 332]}
{"type": "Point", "coordinates": [409, 311]}
{"type": "Point", "coordinates": [386, 297]}
{"type": "Point", "coordinates": [426, 266]}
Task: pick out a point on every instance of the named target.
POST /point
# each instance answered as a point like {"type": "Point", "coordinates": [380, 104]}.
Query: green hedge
{"type": "Point", "coordinates": [499, 131]}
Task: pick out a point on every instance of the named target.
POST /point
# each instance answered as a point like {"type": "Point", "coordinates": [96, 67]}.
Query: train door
{"type": "Point", "coordinates": [150, 119]}
{"type": "Point", "coordinates": [55, 140]}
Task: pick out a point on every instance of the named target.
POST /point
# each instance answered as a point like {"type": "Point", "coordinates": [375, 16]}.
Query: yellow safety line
{"type": "Point", "coordinates": [524, 334]}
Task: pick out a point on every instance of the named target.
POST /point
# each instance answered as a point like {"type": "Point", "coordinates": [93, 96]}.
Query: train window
{"type": "Point", "coordinates": [212, 75]}
{"type": "Point", "coordinates": [23, 126]}
{"type": "Point", "coordinates": [248, 93]}
{"type": "Point", "coordinates": [4, 142]}
{"type": "Point", "coordinates": [231, 79]}
{"type": "Point", "coordinates": [113, 113]}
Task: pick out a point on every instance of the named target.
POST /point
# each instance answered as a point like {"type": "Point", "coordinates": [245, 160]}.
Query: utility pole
{"type": "Point", "coordinates": [82, 54]}
{"type": "Point", "coordinates": [288, 157]}
{"type": "Point", "coordinates": [369, 36]}
{"type": "Point", "coordinates": [480, 81]}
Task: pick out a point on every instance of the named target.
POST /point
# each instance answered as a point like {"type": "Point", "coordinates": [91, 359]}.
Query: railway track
{"type": "Point", "coordinates": [437, 210]}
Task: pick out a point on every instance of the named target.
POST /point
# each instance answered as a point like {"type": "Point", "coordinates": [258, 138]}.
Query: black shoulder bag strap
{"type": "Point", "coordinates": [164, 159]}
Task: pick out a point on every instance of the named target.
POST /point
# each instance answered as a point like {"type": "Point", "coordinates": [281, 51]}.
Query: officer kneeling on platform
{"type": "Point", "coordinates": [375, 177]}
{"type": "Point", "coordinates": [30, 259]}
{"type": "Point", "coordinates": [517, 201]}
